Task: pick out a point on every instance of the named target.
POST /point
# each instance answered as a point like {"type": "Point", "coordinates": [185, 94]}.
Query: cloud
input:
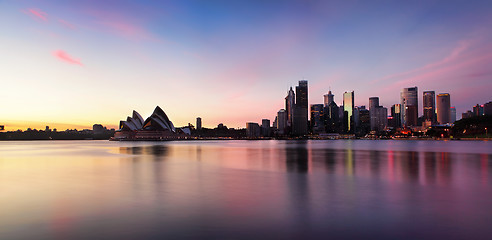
{"type": "Point", "coordinates": [37, 14]}
{"type": "Point", "coordinates": [62, 55]}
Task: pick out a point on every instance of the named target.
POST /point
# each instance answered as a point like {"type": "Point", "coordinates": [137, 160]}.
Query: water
{"type": "Point", "coordinates": [246, 190]}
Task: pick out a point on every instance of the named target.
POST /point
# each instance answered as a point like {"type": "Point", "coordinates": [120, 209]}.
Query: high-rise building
{"type": "Point", "coordinates": [396, 115]}
{"type": "Point", "coordinates": [290, 102]}
{"type": "Point", "coordinates": [478, 110]}
{"type": "Point", "coordinates": [198, 123]}
{"type": "Point", "coordinates": [429, 102]}
{"type": "Point", "coordinates": [382, 118]}
{"type": "Point", "coordinates": [487, 108]}
{"type": "Point", "coordinates": [252, 130]}
{"type": "Point", "coordinates": [332, 118]}
{"type": "Point", "coordinates": [300, 117]}
{"type": "Point", "coordinates": [348, 108]}
{"type": "Point", "coordinates": [317, 123]}
{"type": "Point", "coordinates": [328, 98]}
{"type": "Point", "coordinates": [281, 121]}
{"type": "Point", "coordinates": [410, 106]}
{"type": "Point", "coordinates": [265, 127]}
{"type": "Point", "coordinates": [467, 114]}
{"type": "Point", "coordinates": [443, 108]}
{"type": "Point", "coordinates": [373, 114]}
{"type": "Point", "coordinates": [452, 117]}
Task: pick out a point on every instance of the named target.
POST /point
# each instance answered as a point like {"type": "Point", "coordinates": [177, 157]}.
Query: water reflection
{"type": "Point", "coordinates": [155, 150]}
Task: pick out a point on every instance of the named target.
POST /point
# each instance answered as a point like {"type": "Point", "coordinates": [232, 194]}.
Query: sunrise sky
{"type": "Point", "coordinates": [70, 64]}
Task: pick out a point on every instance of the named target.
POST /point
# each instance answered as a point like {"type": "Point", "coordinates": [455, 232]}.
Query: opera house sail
{"type": "Point", "coordinates": [156, 127]}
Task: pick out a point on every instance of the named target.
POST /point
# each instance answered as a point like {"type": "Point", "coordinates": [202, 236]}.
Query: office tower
{"type": "Point", "coordinates": [452, 117]}
{"type": "Point", "coordinates": [382, 117]}
{"type": "Point", "coordinates": [348, 109]}
{"type": "Point", "coordinates": [328, 98]}
{"type": "Point", "coordinates": [373, 105]}
{"type": "Point", "coordinates": [300, 118]}
{"type": "Point", "coordinates": [290, 102]}
{"type": "Point", "coordinates": [429, 102]}
{"type": "Point", "coordinates": [443, 108]}
{"type": "Point", "coordinates": [487, 108]}
{"type": "Point", "coordinates": [265, 127]}
{"type": "Point", "coordinates": [364, 123]}
{"type": "Point", "coordinates": [396, 115]}
{"type": "Point", "coordinates": [410, 106]}
{"type": "Point", "coordinates": [198, 123]}
{"type": "Point", "coordinates": [281, 121]}
{"type": "Point", "coordinates": [317, 123]}
{"type": "Point", "coordinates": [478, 110]}
{"type": "Point", "coordinates": [332, 118]}
{"type": "Point", "coordinates": [253, 130]}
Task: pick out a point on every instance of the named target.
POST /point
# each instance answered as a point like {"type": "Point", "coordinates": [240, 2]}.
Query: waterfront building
{"type": "Point", "coordinates": [373, 112]}
{"type": "Point", "coordinates": [281, 121]}
{"type": "Point", "coordinates": [300, 116]}
{"type": "Point", "coordinates": [487, 108]}
{"type": "Point", "coordinates": [452, 116]}
{"type": "Point", "coordinates": [478, 110]}
{"type": "Point", "coordinates": [396, 115]}
{"type": "Point", "coordinates": [332, 118]}
{"type": "Point", "coordinates": [317, 116]}
{"type": "Point", "coordinates": [252, 130]}
{"type": "Point", "coordinates": [328, 98]}
{"type": "Point", "coordinates": [429, 103]}
{"type": "Point", "coordinates": [467, 114]}
{"type": "Point", "coordinates": [410, 106]}
{"type": "Point", "coordinates": [290, 101]}
{"type": "Point", "coordinates": [443, 108]}
{"type": "Point", "coordinates": [265, 127]}
{"type": "Point", "coordinates": [348, 109]}
{"type": "Point", "coordinates": [198, 123]}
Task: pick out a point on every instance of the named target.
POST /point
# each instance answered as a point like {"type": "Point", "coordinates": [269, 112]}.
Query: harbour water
{"type": "Point", "coordinates": [334, 189]}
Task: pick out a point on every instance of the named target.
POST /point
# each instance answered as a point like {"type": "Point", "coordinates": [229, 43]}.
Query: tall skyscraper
{"type": "Point", "coordinates": [410, 106]}
{"type": "Point", "coordinates": [348, 108]}
{"type": "Point", "coordinates": [443, 108]}
{"type": "Point", "coordinates": [328, 98]}
{"type": "Point", "coordinates": [487, 108]}
{"type": "Point", "coordinates": [198, 123]}
{"type": "Point", "coordinates": [452, 117]}
{"type": "Point", "coordinates": [373, 112]}
{"type": "Point", "coordinates": [478, 110]}
{"type": "Point", "coordinates": [290, 102]}
{"type": "Point", "coordinates": [300, 118]}
{"type": "Point", "coordinates": [429, 102]}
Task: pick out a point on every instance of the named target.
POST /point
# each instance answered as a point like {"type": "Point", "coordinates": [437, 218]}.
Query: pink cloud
{"type": "Point", "coordinates": [37, 14]}
{"type": "Point", "coordinates": [62, 55]}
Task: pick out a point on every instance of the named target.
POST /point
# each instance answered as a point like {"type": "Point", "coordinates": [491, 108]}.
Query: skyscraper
{"type": "Point", "coordinates": [317, 123]}
{"type": "Point", "coordinates": [198, 123]}
{"type": "Point", "coordinates": [265, 127]}
{"type": "Point", "coordinates": [300, 117]}
{"type": "Point", "coordinates": [452, 117]}
{"type": "Point", "coordinates": [396, 115]}
{"type": "Point", "coordinates": [281, 121]}
{"type": "Point", "coordinates": [290, 102]}
{"type": "Point", "coordinates": [410, 106]}
{"type": "Point", "coordinates": [429, 102]}
{"type": "Point", "coordinates": [373, 114]}
{"type": "Point", "coordinates": [328, 98]}
{"type": "Point", "coordinates": [348, 108]}
{"type": "Point", "coordinates": [443, 108]}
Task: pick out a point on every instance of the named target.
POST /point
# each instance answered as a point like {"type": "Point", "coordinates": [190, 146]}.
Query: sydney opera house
{"type": "Point", "coordinates": [156, 127]}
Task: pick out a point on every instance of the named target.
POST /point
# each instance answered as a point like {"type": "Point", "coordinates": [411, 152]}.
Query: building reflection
{"type": "Point", "coordinates": [154, 150]}
{"type": "Point", "coordinates": [297, 157]}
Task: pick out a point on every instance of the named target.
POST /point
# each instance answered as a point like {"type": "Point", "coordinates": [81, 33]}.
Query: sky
{"type": "Point", "coordinates": [70, 64]}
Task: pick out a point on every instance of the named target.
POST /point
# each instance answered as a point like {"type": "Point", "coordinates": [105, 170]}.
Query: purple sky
{"type": "Point", "coordinates": [72, 64]}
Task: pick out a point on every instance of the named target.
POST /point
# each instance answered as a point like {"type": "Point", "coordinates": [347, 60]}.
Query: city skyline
{"type": "Point", "coordinates": [72, 64]}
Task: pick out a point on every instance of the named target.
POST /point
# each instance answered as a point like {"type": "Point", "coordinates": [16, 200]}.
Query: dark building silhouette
{"type": "Point", "coordinates": [300, 118]}
{"type": "Point", "coordinates": [317, 118]}
{"type": "Point", "coordinates": [198, 123]}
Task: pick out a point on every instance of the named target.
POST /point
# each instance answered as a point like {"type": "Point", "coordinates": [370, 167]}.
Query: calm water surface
{"type": "Point", "coordinates": [246, 190]}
